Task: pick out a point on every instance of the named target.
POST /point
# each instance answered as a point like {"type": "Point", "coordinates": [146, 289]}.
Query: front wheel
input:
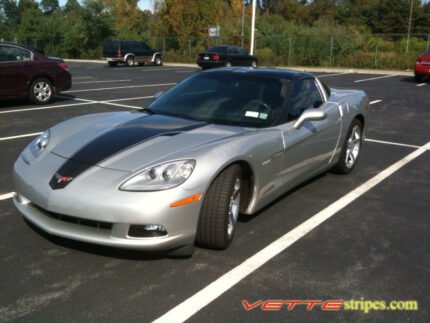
{"type": "Point", "coordinates": [41, 91]}
{"type": "Point", "coordinates": [254, 64]}
{"type": "Point", "coordinates": [220, 210]}
{"type": "Point", "coordinates": [351, 148]}
{"type": "Point", "coordinates": [157, 61]}
{"type": "Point", "coordinates": [129, 61]}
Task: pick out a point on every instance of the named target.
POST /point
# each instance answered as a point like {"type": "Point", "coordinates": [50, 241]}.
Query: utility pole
{"type": "Point", "coordinates": [254, 5]}
{"type": "Point", "coordinates": [409, 26]}
{"type": "Point", "coordinates": [243, 23]}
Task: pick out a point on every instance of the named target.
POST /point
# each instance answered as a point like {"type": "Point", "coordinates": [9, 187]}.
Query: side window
{"type": "Point", "coordinates": [13, 54]}
{"type": "Point", "coordinates": [144, 46]}
{"type": "Point", "coordinates": [232, 51]}
{"type": "Point", "coordinates": [305, 95]}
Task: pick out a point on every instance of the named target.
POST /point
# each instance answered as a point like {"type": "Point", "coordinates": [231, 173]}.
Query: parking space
{"type": "Point", "coordinates": [372, 245]}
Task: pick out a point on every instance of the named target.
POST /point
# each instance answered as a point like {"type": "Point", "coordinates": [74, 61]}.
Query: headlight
{"type": "Point", "coordinates": [160, 177]}
{"type": "Point", "coordinates": [40, 143]}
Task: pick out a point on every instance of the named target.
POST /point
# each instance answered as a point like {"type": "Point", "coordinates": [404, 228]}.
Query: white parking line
{"type": "Point", "coordinates": [375, 78]}
{"type": "Point", "coordinates": [6, 196]}
{"type": "Point", "coordinates": [20, 136]}
{"type": "Point", "coordinates": [165, 69]}
{"type": "Point", "coordinates": [421, 84]}
{"type": "Point", "coordinates": [46, 107]}
{"type": "Point", "coordinates": [119, 87]}
{"type": "Point", "coordinates": [109, 81]}
{"type": "Point", "coordinates": [195, 303]}
{"type": "Point", "coordinates": [121, 105]}
{"type": "Point", "coordinates": [327, 75]}
{"type": "Point", "coordinates": [130, 99]}
{"type": "Point", "coordinates": [82, 77]}
{"type": "Point", "coordinates": [391, 143]}
{"type": "Point", "coordinates": [374, 102]}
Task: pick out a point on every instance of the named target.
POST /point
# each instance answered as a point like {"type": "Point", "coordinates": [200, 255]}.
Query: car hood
{"type": "Point", "coordinates": [130, 141]}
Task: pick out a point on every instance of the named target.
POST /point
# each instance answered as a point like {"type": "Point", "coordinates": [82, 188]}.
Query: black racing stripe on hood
{"type": "Point", "coordinates": [119, 139]}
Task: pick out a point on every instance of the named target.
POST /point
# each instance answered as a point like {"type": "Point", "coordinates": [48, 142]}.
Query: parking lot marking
{"type": "Point", "coordinates": [20, 136]}
{"type": "Point", "coordinates": [165, 69]}
{"type": "Point", "coordinates": [121, 105]}
{"type": "Point", "coordinates": [421, 84]}
{"type": "Point", "coordinates": [109, 81]}
{"type": "Point", "coordinates": [119, 87]}
{"type": "Point", "coordinates": [195, 303]}
{"type": "Point", "coordinates": [374, 102]}
{"type": "Point", "coordinates": [82, 77]}
{"type": "Point", "coordinates": [131, 99]}
{"type": "Point", "coordinates": [375, 78]}
{"type": "Point", "coordinates": [391, 143]}
{"type": "Point", "coordinates": [6, 196]}
{"type": "Point", "coordinates": [46, 107]}
{"type": "Point", "coordinates": [327, 75]}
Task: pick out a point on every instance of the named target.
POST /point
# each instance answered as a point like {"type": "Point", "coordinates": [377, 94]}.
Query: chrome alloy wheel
{"type": "Point", "coordinates": [234, 207]}
{"type": "Point", "coordinates": [42, 91]}
{"type": "Point", "coordinates": [353, 146]}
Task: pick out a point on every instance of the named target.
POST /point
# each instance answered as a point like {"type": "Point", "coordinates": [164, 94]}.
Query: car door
{"type": "Point", "coordinates": [15, 64]}
{"type": "Point", "coordinates": [245, 58]}
{"type": "Point", "coordinates": [234, 57]}
{"type": "Point", "coordinates": [309, 148]}
{"type": "Point", "coordinates": [146, 52]}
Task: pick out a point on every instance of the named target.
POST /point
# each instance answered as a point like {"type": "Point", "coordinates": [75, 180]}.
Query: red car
{"type": "Point", "coordinates": [422, 66]}
{"type": "Point", "coordinates": [26, 72]}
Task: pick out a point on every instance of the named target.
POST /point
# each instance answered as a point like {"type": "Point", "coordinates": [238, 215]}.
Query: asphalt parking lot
{"type": "Point", "coordinates": [373, 243]}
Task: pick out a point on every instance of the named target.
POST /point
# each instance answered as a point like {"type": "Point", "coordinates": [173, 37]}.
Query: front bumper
{"type": "Point", "coordinates": [92, 198]}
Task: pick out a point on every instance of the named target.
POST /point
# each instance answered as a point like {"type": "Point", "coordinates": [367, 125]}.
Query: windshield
{"type": "Point", "coordinates": [230, 98]}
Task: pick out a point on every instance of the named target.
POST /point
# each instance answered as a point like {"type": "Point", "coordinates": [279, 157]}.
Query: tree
{"type": "Point", "coordinates": [49, 6]}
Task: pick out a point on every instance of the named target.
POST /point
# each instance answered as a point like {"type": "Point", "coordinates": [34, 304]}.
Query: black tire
{"type": "Point", "coordinates": [41, 91]}
{"type": "Point", "coordinates": [213, 230]}
{"type": "Point", "coordinates": [113, 64]}
{"type": "Point", "coordinates": [254, 64]}
{"type": "Point", "coordinates": [129, 61]}
{"type": "Point", "coordinates": [418, 78]}
{"type": "Point", "coordinates": [158, 61]}
{"type": "Point", "coordinates": [352, 142]}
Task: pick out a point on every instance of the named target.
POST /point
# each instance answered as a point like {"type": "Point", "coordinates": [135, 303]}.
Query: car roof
{"type": "Point", "coordinates": [273, 72]}
{"type": "Point", "coordinates": [14, 44]}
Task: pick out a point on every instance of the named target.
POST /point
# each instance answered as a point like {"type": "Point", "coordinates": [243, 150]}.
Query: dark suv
{"type": "Point", "coordinates": [129, 52]}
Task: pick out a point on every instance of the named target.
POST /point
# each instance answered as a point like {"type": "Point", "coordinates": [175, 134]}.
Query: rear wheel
{"type": "Point", "coordinates": [220, 210]}
{"type": "Point", "coordinates": [228, 64]}
{"type": "Point", "coordinates": [351, 148]}
{"type": "Point", "coordinates": [41, 91]}
{"type": "Point", "coordinates": [113, 64]}
{"type": "Point", "coordinates": [254, 64]}
{"type": "Point", "coordinates": [418, 78]}
{"type": "Point", "coordinates": [157, 61]}
{"type": "Point", "coordinates": [129, 61]}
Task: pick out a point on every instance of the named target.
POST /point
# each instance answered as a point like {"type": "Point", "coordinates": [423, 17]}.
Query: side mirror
{"type": "Point", "coordinates": [158, 94]}
{"type": "Point", "coordinates": [309, 115]}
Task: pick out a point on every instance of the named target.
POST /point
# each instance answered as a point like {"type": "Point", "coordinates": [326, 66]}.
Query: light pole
{"type": "Point", "coordinates": [409, 26]}
{"type": "Point", "coordinates": [243, 23]}
{"type": "Point", "coordinates": [254, 5]}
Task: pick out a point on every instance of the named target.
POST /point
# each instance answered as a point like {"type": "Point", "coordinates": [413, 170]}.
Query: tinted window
{"type": "Point", "coordinates": [111, 45]}
{"type": "Point", "coordinates": [12, 54]}
{"type": "Point", "coordinates": [226, 98]}
{"type": "Point", "coordinates": [242, 51]}
{"type": "Point", "coordinates": [305, 95]}
{"type": "Point", "coordinates": [144, 46]}
{"type": "Point", "coordinates": [218, 49]}
{"type": "Point", "coordinates": [233, 50]}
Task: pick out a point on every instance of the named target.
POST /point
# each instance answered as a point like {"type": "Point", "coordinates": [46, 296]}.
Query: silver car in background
{"type": "Point", "coordinates": [220, 143]}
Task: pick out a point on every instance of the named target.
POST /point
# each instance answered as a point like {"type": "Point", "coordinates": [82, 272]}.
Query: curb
{"type": "Point", "coordinates": [297, 68]}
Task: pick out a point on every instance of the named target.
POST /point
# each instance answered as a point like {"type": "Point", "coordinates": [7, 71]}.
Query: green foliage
{"type": "Point", "coordinates": [289, 32]}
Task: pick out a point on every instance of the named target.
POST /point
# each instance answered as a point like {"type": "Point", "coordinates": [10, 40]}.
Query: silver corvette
{"type": "Point", "coordinates": [220, 143]}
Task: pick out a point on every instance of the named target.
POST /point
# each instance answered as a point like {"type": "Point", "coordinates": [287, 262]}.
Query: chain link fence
{"type": "Point", "coordinates": [394, 51]}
